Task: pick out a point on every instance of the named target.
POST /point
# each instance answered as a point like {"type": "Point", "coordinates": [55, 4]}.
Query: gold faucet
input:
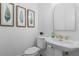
{"type": "Point", "coordinates": [60, 37]}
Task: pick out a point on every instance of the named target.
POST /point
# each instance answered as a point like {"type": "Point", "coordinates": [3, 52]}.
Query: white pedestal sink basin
{"type": "Point", "coordinates": [68, 45]}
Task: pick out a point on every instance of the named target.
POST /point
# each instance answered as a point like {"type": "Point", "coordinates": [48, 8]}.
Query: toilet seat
{"type": "Point", "coordinates": [32, 51]}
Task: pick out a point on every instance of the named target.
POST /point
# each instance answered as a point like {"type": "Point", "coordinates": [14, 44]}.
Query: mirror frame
{"type": "Point", "coordinates": [54, 19]}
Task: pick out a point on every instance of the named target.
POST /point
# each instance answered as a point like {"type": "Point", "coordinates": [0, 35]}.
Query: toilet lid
{"type": "Point", "coordinates": [31, 50]}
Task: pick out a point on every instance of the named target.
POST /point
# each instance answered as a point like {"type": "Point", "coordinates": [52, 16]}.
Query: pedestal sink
{"type": "Point", "coordinates": [68, 45]}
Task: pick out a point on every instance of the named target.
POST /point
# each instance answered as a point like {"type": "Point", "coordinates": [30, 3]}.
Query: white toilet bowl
{"type": "Point", "coordinates": [34, 51]}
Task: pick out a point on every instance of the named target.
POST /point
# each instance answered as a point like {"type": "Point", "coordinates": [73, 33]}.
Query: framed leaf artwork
{"type": "Point", "coordinates": [20, 16]}
{"type": "Point", "coordinates": [7, 14]}
{"type": "Point", "coordinates": [30, 18]}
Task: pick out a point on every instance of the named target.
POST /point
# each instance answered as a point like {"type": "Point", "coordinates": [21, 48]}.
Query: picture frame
{"type": "Point", "coordinates": [7, 14]}
{"type": "Point", "coordinates": [20, 16]}
{"type": "Point", "coordinates": [30, 18]}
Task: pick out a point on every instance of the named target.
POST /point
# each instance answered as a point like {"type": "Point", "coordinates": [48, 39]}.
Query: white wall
{"type": "Point", "coordinates": [14, 40]}
{"type": "Point", "coordinates": [45, 18]}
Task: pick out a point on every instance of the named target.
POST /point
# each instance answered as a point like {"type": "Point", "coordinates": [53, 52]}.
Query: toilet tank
{"type": "Point", "coordinates": [41, 43]}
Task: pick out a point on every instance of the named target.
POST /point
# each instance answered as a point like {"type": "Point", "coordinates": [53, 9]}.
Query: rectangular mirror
{"type": "Point", "coordinates": [64, 17]}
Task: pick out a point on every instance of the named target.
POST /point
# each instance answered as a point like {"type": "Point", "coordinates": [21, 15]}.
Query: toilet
{"type": "Point", "coordinates": [35, 51]}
